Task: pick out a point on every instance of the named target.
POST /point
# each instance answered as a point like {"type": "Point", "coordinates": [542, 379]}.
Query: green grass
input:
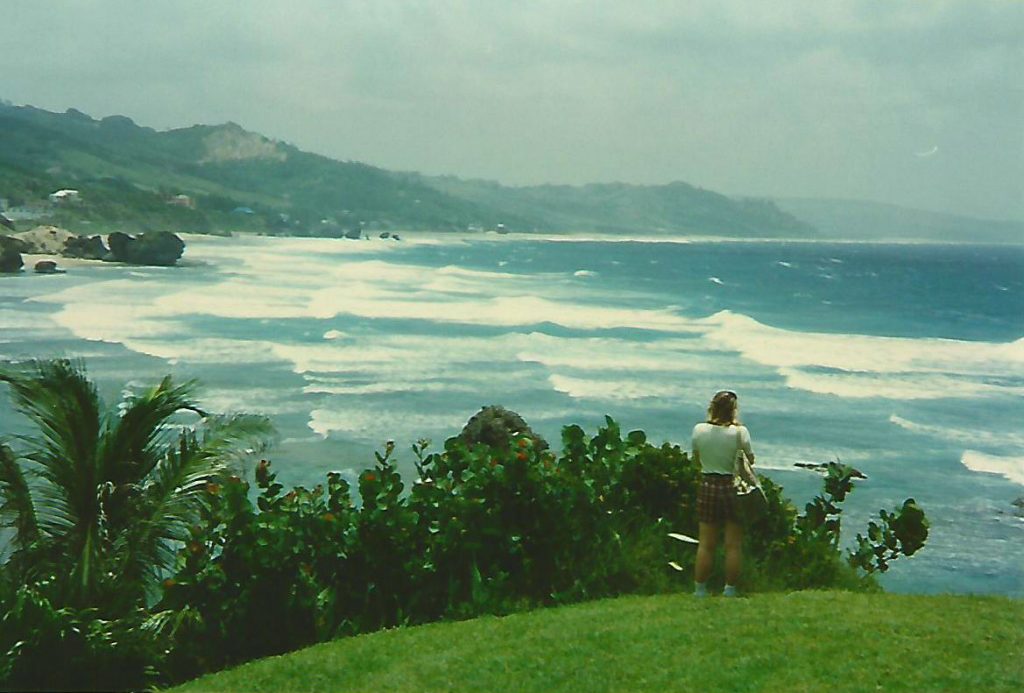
{"type": "Point", "coordinates": [805, 641]}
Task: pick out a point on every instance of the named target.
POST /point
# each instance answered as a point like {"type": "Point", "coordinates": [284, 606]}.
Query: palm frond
{"type": "Point", "coordinates": [16, 507]}
{"type": "Point", "coordinates": [65, 408]}
{"type": "Point", "coordinates": [175, 494]}
{"type": "Point", "coordinates": [131, 443]}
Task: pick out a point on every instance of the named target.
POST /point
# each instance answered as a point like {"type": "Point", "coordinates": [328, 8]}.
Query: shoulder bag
{"type": "Point", "coordinates": [749, 502]}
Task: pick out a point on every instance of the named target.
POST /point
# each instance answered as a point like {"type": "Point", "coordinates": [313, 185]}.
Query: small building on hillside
{"type": "Point", "coordinates": [182, 201]}
{"type": "Point", "coordinates": [65, 196]}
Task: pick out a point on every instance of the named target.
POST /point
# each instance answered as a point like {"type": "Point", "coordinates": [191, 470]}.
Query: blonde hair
{"type": "Point", "coordinates": [723, 408]}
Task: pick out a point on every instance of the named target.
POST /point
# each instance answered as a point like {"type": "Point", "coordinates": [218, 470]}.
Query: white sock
{"type": "Point", "coordinates": [729, 591]}
{"type": "Point", "coordinates": [700, 589]}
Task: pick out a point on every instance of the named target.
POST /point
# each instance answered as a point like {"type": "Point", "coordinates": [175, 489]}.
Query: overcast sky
{"type": "Point", "coordinates": [917, 103]}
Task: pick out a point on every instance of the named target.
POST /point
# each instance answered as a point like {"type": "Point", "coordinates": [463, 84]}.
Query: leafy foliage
{"type": "Point", "coordinates": [482, 529]}
{"type": "Point", "coordinates": [128, 530]}
{"type": "Point", "coordinates": [98, 502]}
{"type": "Point", "coordinates": [901, 533]}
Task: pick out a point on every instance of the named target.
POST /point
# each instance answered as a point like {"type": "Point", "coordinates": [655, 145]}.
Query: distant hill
{"type": "Point", "coordinates": [619, 208]}
{"type": "Point", "coordinates": [224, 178]}
{"type": "Point", "coordinates": [862, 220]}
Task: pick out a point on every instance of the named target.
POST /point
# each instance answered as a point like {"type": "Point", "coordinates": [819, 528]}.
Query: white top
{"type": "Point", "coordinates": [715, 446]}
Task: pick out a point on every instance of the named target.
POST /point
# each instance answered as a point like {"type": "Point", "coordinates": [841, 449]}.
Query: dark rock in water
{"type": "Point", "coordinates": [10, 255]}
{"type": "Point", "coordinates": [354, 234]}
{"type": "Point", "coordinates": [15, 243]}
{"type": "Point", "coordinates": [498, 427]}
{"type": "Point", "coordinates": [152, 248]}
{"type": "Point", "coordinates": [395, 237]}
{"type": "Point", "coordinates": [822, 468]}
{"type": "Point", "coordinates": [46, 267]}
{"type": "Point", "coordinates": [1019, 505]}
{"type": "Point", "coordinates": [385, 234]}
{"type": "Point", "coordinates": [85, 247]}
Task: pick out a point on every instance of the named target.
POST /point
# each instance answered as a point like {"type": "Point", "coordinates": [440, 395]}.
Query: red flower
{"type": "Point", "coordinates": [370, 477]}
{"type": "Point", "coordinates": [524, 442]}
{"type": "Point", "coordinates": [263, 471]}
{"type": "Point", "coordinates": [213, 489]}
{"type": "Point", "coordinates": [327, 517]}
{"type": "Point", "coordinates": [169, 583]}
{"type": "Point", "coordinates": [521, 456]}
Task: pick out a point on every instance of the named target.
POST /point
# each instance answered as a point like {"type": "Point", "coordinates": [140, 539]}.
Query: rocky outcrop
{"type": "Point", "coordinates": [45, 240]}
{"type": "Point", "coordinates": [85, 247]}
{"type": "Point", "coordinates": [498, 427]}
{"type": "Point", "coordinates": [10, 255]}
{"type": "Point", "coordinates": [46, 267]}
{"type": "Point", "coordinates": [152, 248]}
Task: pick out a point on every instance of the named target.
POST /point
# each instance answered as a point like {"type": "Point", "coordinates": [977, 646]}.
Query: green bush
{"type": "Point", "coordinates": [481, 530]}
{"type": "Point", "coordinates": [137, 555]}
{"type": "Point", "coordinates": [43, 647]}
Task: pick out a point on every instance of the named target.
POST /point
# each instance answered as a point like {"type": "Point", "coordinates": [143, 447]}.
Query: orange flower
{"type": "Point", "coordinates": [370, 477]}
{"type": "Point", "coordinates": [521, 456]}
{"type": "Point", "coordinates": [524, 442]}
{"type": "Point", "coordinates": [213, 489]}
{"type": "Point", "coordinates": [169, 583]}
{"type": "Point", "coordinates": [327, 517]}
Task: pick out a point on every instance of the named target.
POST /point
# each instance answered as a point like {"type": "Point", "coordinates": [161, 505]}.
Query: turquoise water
{"type": "Point", "coordinates": [906, 361]}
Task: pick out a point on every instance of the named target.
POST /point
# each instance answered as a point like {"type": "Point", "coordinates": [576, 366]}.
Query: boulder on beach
{"type": "Point", "coordinates": [85, 247]}
{"type": "Point", "coordinates": [497, 427]}
{"type": "Point", "coordinates": [10, 255]}
{"type": "Point", "coordinates": [45, 240]}
{"type": "Point", "coordinates": [46, 267]}
{"type": "Point", "coordinates": [152, 248]}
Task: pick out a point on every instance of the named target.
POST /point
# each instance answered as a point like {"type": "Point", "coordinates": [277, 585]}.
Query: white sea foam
{"type": "Point", "coordinates": [716, 280]}
{"type": "Point", "coordinates": [669, 355]}
{"type": "Point", "coordinates": [974, 436]}
{"type": "Point", "coordinates": [615, 389]}
{"type": "Point", "coordinates": [902, 386]}
{"type": "Point", "coordinates": [584, 273]}
{"type": "Point", "coordinates": [208, 350]}
{"type": "Point", "coordinates": [265, 400]}
{"type": "Point", "coordinates": [870, 366]}
{"type": "Point", "coordinates": [363, 423]}
{"type": "Point", "coordinates": [1010, 467]}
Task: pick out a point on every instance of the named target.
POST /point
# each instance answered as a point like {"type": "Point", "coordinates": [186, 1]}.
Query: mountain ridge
{"type": "Point", "coordinates": [282, 189]}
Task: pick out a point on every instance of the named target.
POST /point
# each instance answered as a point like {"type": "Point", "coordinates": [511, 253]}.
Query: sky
{"type": "Point", "coordinates": [918, 103]}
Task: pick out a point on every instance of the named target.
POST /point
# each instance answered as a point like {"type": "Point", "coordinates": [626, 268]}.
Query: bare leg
{"type": "Point", "coordinates": [708, 539]}
{"type": "Point", "coordinates": [733, 552]}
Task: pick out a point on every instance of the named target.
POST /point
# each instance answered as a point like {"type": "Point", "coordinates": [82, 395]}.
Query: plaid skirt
{"type": "Point", "coordinates": [714, 499]}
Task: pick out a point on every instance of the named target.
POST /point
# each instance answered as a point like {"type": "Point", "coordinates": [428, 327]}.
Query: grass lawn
{"type": "Point", "coordinates": [804, 641]}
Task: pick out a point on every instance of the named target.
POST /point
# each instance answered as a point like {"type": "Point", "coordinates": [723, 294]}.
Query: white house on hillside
{"type": "Point", "coordinates": [63, 196]}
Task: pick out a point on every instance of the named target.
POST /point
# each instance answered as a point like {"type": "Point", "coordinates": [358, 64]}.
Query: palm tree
{"type": "Point", "coordinates": [98, 502]}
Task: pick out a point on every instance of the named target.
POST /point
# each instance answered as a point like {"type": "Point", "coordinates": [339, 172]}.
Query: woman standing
{"type": "Point", "coordinates": [715, 445]}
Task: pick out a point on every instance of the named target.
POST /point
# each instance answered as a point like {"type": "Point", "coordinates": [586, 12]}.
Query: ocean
{"type": "Point", "coordinates": [903, 360]}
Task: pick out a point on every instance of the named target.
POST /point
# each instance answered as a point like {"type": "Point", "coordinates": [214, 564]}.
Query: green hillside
{"type": "Point", "coordinates": [241, 181]}
{"type": "Point", "coordinates": [676, 208]}
{"type": "Point", "coordinates": [802, 641]}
